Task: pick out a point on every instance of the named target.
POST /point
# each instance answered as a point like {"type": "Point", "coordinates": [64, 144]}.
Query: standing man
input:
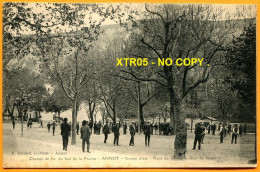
{"type": "Point", "coordinates": [151, 128]}
{"type": "Point", "coordinates": [209, 129]}
{"type": "Point", "coordinates": [13, 124]}
{"type": "Point", "coordinates": [65, 132]}
{"type": "Point", "coordinates": [85, 135]}
{"type": "Point", "coordinates": [245, 128]}
{"type": "Point", "coordinates": [49, 126]}
{"type": "Point", "coordinates": [229, 129]}
{"type": "Point", "coordinates": [77, 127]}
{"type": "Point", "coordinates": [116, 134]}
{"type": "Point", "coordinates": [221, 133]}
{"type": "Point", "coordinates": [53, 127]}
{"type": "Point", "coordinates": [240, 130]}
{"type": "Point", "coordinates": [106, 131]}
{"type": "Point", "coordinates": [132, 133]}
{"type": "Point", "coordinates": [147, 133]}
{"type": "Point", "coordinates": [98, 127]}
{"type": "Point", "coordinates": [41, 124]}
{"type": "Point", "coordinates": [95, 127]}
{"type": "Point", "coordinates": [155, 128]}
{"type": "Point", "coordinates": [214, 129]}
{"type": "Point", "coordinates": [234, 134]}
{"type": "Point", "coordinates": [198, 134]}
{"type": "Point", "coordinates": [125, 128]}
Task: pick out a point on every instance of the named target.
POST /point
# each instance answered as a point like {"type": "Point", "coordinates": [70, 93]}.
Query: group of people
{"type": "Point", "coordinates": [236, 131]}
{"type": "Point", "coordinates": [53, 126]}
{"type": "Point", "coordinates": [146, 128]}
{"type": "Point", "coordinates": [85, 132]}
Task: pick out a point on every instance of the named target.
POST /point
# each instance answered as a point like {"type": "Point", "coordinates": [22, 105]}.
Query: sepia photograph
{"type": "Point", "coordinates": [129, 85]}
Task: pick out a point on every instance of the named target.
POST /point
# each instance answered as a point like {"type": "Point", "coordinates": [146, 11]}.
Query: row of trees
{"type": "Point", "coordinates": [77, 55]}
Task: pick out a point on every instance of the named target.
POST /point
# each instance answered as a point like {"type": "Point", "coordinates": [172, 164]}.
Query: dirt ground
{"type": "Point", "coordinates": [38, 143]}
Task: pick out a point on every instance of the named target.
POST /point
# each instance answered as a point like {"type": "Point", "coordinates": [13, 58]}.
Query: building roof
{"type": "Point", "coordinates": [211, 118]}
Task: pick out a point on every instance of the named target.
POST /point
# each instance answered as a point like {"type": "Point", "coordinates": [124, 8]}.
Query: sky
{"type": "Point", "coordinates": [246, 11]}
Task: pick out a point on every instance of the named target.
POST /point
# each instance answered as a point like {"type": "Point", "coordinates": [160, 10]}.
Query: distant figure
{"type": "Point", "coordinates": [53, 127]}
{"type": "Point", "coordinates": [65, 132]}
{"type": "Point", "coordinates": [147, 133]}
{"type": "Point", "coordinates": [95, 127]}
{"type": "Point", "coordinates": [209, 129]}
{"type": "Point", "coordinates": [155, 128]}
{"type": "Point", "coordinates": [203, 133]}
{"type": "Point", "coordinates": [132, 133]}
{"type": "Point", "coordinates": [221, 133]}
{"type": "Point", "coordinates": [229, 129]}
{"type": "Point", "coordinates": [106, 131]}
{"type": "Point", "coordinates": [13, 124]}
{"type": "Point", "coordinates": [41, 124]}
{"type": "Point", "coordinates": [214, 129]}
{"type": "Point", "coordinates": [98, 127]}
{"type": "Point", "coordinates": [198, 135]}
{"type": "Point", "coordinates": [85, 135]}
{"type": "Point", "coordinates": [151, 128]}
{"type": "Point", "coordinates": [225, 130]}
{"type": "Point", "coordinates": [49, 126]}
{"type": "Point", "coordinates": [70, 128]}
{"type": "Point", "coordinates": [234, 134]}
{"type": "Point", "coordinates": [77, 127]}
{"type": "Point", "coordinates": [28, 125]}
{"type": "Point", "coordinates": [125, 128]}
{"type": "Point", "coordinates": [116, 134]}
{"type": "Point", "coordinates": [245, 128]}
{"type": "Point", "coordinates": [240, 130]}
{"type": "Point", "coordinates": [91, 125]}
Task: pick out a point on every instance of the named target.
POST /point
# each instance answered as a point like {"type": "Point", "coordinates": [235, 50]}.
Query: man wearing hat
{"type": "Point", "coordinates": [132, 132]}
{"type": "Point", "coordinates": [116, 133]}
{"type": "Point", "coordinates": [203, 132]}
{"type": "Point", "coordinates": [53, 127]}
{"type": "Point", "coordinates": [106, 131]}
{"type": "Point", "coordinates": [147, 133]}
{"type": "Point", "coordinates": [85, 135]}
{"type": "Point", "coordinates": [198, 135]}
{"type": "Point", "coordinates": [234, 134]}
{"type": "Point", "coordinates": [65, 132]}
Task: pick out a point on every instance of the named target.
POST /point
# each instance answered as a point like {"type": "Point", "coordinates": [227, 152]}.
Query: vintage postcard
{"type": "Point", "coordinates": [127, 85]}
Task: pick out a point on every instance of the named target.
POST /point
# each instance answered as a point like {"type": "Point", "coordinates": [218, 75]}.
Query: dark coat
{"type": "Point", "coordinates": [65, 129]}
{"type": "Point", "coordinates": [132, 129]}
{"type": "Point", "coordinates": [85, 132]}
{"type": "Point", "coordinates": [116, 130]}
{"type": "Point", "coordinates": [106, 129]}
{"type": "Point", "coordinates": [198, 131]}
{"type": "Point", "coordinates": [147, 130]}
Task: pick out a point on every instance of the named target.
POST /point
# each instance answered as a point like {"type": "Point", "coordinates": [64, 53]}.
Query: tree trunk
{"type": "Point", "coordinates": [191, 124]}
{"type": "Point", "coordinates": [141, 114]}
{"type": "Point", "coordinates": [74, 121]}
{"type": "Point", "coordinates": [91, 112]}
{"type": "Point", "coordinates": [114, 114]}
{"type": "Point", "coordinates": [59, 116]}
{"type": "Point", "coordinates": [139, 105]}
{"type": "Point", "coordinates": [181, 133]}
{"type": "Point", "coordinates": [12, 112]}
{"type": "Point", "coordinates": [172, 113]}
